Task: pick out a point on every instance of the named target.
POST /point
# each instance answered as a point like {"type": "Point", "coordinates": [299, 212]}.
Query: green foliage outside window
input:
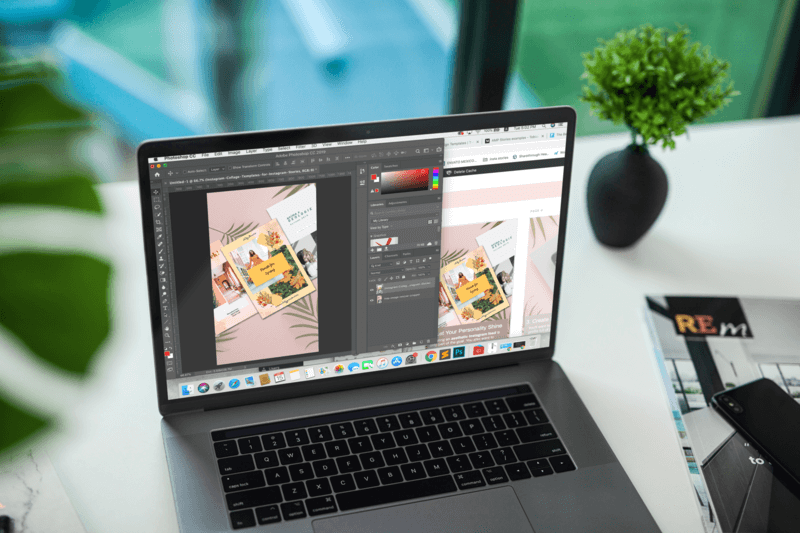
{"type": "Point", "coordinates": [655, 82]}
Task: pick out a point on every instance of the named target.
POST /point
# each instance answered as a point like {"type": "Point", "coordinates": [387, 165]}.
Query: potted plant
{"type": "Point", "coordinates": [656, 82]}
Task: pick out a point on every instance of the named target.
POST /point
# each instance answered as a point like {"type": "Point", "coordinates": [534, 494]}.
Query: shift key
{"type": "Point", "coordinates": [537, 450]}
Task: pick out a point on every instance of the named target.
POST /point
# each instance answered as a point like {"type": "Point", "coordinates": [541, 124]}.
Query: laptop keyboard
{"type": "Point", "coordinates": [325, 464]}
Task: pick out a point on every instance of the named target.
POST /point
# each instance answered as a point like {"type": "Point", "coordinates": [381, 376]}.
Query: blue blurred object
{"type": "Point", "coordinates": [28, 11]}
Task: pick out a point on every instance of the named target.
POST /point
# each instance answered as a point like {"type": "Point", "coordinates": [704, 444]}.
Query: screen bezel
{"type": "Point", "coordinates": [347, 132]}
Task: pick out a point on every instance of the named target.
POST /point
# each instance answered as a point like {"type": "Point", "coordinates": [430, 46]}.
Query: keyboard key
{"type": "Point", "coordinates": [495, 475]}
{"type": "Point", "coordinates": [418, 452]}
{"type": "Point", "coordinates": [234, 465]}
{"type": "Point", "coordinates": [517, 471]}
{"type": "Point", "coordinates": [440, 449]}
{"type": "Point", "coordinates": [496, 406]}
{"type": "Point", "coordinates": [518, 403]}
{"type": "Point", "coordinates": [313, 452]}
{"type": "Point", "coordinates": [318, 506]}
{"type": "Point", "coordinates": [297, 437]}
{"type": "Point", "coordinates": [294, 491]}
{"type": "Point", "coordinates": [276, 476]}
{"type": "Point", "coordinates": [250, 445]}
{"type": "Point", "coordinates": [463, 445]}
{"type": "Point", "coordinates": [293, 510]}
{"type": "Point", "coordinates": [226, 449]}
{"type": "Point", "coordinates": [503, 456]}
{"type": "Point", "coordinates": [536, 433]}
{"type": "Point", "coordinates": [301, 472]}
{"type": "Point", "coordinates": [268, 515]}
{"type": "Point", "coordinates": [389, 475]}
{"type": "Point", "coordinates": [432, 416]}
{"type": "Point", "coordinates": [470, 480]}
{"type": "Point", "coordinates": [537, 450]}
{"type": "Point", "coordinates": [343, 430]}
{"type": "Point", "coordinates": [410, 420]}
{"type": "Point", "coordinates": [253, 498]}
{"type": "Point", "coordinates": [413, 471]}
{"type": "Point", "coordinates": [514, 420]}
{"type": "Point", "coordinates": [266, 459]}
{"type": "Point", "coordinates": [388, 423]}
{"type": "Point", "coordinates": [318, 487]}
{"type": "Point", "coordinates": [535, 416]}
{"type": "Point", "coordinates": [273, 441]}
{"type": "Point", "coordinates": [405, 437]}
{"type": "Point", "coordinates": [540, 467]}
{"type": "Point", "coordinates": [458, 463]}
{"type": "Point", "coordinates": [395, 456]}
{"type": "Point", "coordinates": [454, 413]}
{"type": "Point", "coordinates": [506, 438]}
{"type": "Point", "coordinates": [241, 519]}
{"type": "Point", "coordinates": [481, 459]}
{"type": "Point", "coordinates": [366, 426]}
{"type": "Point", "coordinates": [396, 493]}
{"type": "Point", "coordinates": [343, 483]}
{"type": "Point", "coordinates": [360, 444]}
{"type": "Point", "coordinates": [562, 463]}
{"type": "Point", "coordinates": [320, 434]}
{"type": "Point", "coordinates": [494, 423]}
{"type": "Point", "coordinates": [337, 448]}
{"type": "Point", "coordinates": [475, 410]}
{"type": "Point", "coordinates": [372, 460]}
{"type": "Point", "coordinates": [366, 479]}
{"type": "Point", "coordinates": [383, 441]}
{"type": "Point", "coordinates": [348, 464]}
{"type": "Point", "coordinates": [326, 467]}
{"type": "Point", "coordinates": [248, 480]}
{"type": "Point", "coordinates": [428, 434]}
{"type": "Point", "coordinates": [450, 430]}
{"type": "Point", "coordinates": [436, 467]}
{"type": "Point", "coordinates": [471, 427]}
{"type": "Point", "coordinates": [484, 442]}
{"type": "Point", "coordinates": [290, 456]}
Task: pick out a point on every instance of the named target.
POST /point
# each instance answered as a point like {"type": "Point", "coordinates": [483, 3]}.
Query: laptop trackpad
{"type": "Point", "coordinates": [493, 510]}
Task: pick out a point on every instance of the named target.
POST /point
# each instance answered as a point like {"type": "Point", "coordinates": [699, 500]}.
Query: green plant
{"type": "Point", "coordinates": [53, 302]}
{"type": "Point", "coordinates": [655, 82]}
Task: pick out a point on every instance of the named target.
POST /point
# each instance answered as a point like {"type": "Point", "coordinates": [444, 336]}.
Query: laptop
{"type": "Point", "coordinates": [354, 329]}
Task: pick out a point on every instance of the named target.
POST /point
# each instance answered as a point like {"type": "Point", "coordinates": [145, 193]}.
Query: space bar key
{"type": "Point", "coordinates": [395, 493]}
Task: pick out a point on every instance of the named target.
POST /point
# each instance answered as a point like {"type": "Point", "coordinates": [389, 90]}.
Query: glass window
{"type": "Point", "coordinates": [691, 384]}
{"type": "Point", "coordinates": [552, 35]}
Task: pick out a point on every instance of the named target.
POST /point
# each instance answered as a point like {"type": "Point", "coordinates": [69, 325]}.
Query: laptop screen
{"type": "Point", "coordinates": [288, 264]}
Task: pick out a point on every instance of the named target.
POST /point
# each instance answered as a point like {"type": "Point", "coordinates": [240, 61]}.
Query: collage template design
{"type": "Point", "coordinates": [471, 285]}
{"type": "Point", "coordinates": [231, 304]}
{"type": "Point", "coordinates": [268, 268]}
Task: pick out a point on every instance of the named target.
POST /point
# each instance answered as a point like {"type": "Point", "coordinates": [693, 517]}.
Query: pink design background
{"type": "Point", "coordinates": [256, 338]}
{"type": "Point", "coordinates": [538, 296]}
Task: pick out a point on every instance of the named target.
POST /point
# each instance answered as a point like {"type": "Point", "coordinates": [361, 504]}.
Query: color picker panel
{"type": "Point", "coordinates": [416, 179]}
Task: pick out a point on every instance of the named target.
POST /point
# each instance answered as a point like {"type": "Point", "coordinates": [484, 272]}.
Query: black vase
{"type": "Point", "coordinates": [626, 192]}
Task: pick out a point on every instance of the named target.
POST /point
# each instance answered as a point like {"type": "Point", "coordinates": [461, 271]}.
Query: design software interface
{"type": "Point", "coordinates": [285, 264]}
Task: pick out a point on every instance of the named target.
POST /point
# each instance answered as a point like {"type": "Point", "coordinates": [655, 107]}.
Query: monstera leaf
{"type": "Point", "coordinates": [54, 302]}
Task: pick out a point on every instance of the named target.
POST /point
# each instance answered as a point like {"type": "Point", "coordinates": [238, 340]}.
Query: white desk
{"type": "Point", "coordinates": [729, 228]}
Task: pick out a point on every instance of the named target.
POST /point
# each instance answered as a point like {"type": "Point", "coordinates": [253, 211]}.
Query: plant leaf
{"type": "Point", "coordinates": [18, 425]}
{"type": "Point", "coordinates": [67, 294]}
{"type": "Point", "coordinates": [307, 335]}
{"type": "Point", "coordinates": [73, 192]}
{"type": "Point", "coordinates": [283, 190]}
{"type": "Point", "coordinates": [296, 190]}
{"type": "Point", "coordinates": [312, 342]}
{"type": "Point", "coordinates": [305, 326]}
{"type": "Point", "coordinates": [34, 104]}
{"type": "Point", "coordinates": [541, 226]}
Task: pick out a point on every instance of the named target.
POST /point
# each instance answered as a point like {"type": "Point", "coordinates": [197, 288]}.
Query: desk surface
{"type": "Point", "coordinates": [727, 229]}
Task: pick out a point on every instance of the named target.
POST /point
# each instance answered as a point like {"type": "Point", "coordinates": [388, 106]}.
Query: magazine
{"type": "Point", "coordinates": [268, 268]}
{"type": "Point", "coordinates": [472, 287]}
{"type": "Point", "coordinates": [705, 345]}
{"type": "Point", "coordinates": [231, 304]}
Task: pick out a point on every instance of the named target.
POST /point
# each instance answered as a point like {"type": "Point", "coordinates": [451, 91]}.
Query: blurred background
{"type": "Point", "coordinates": [165, 68]}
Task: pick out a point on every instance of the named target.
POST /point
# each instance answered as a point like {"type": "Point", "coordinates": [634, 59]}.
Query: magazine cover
{"type": "Point", "coordinates": [268, 268]}
{"type": "Point", "coordinates": [472, 287]}
{"type": "Point", "coordinates": [706, 345]}
{"type": "Point", "coordinates": [231, 304]}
